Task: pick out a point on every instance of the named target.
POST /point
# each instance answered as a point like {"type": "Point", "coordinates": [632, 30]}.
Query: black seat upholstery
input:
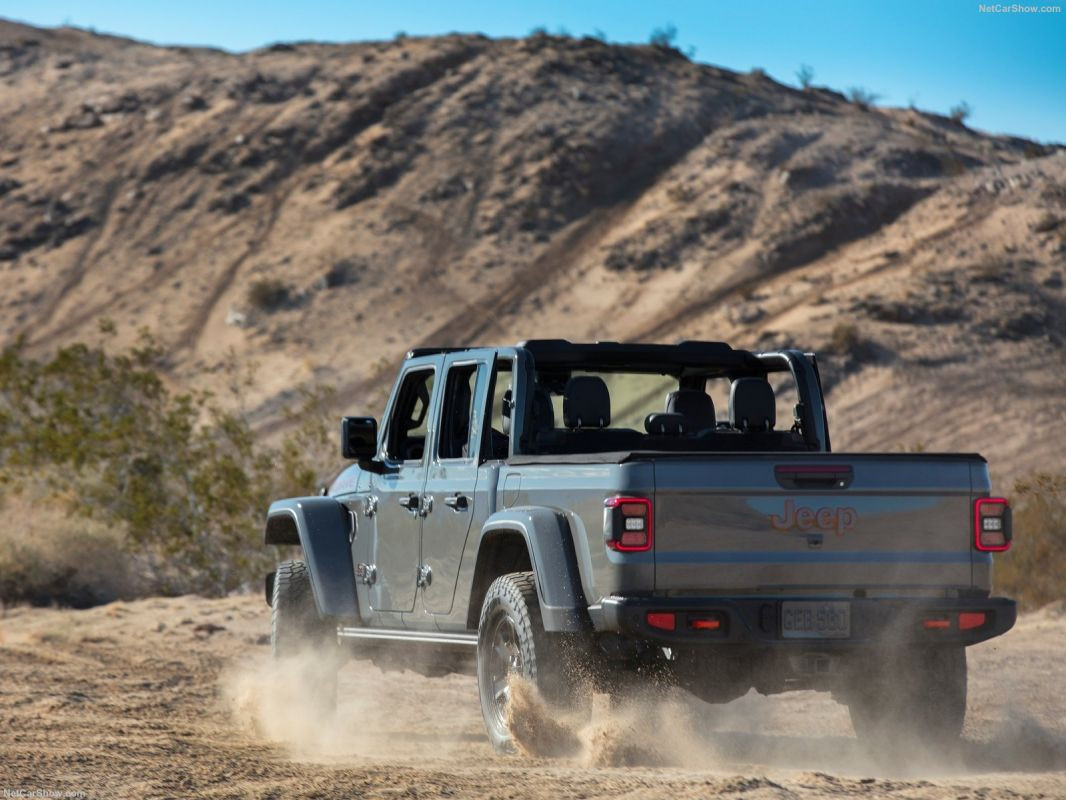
{"type": "Point", "coordinates": [586, 403]}
{"type": "Point", "coordinates": [543, 411]}
{"type": "Point", "coordinates": [665, 424]}
{"type": "Point", "coordinates": [695, 406]}
{"type": "Point", "coordinates": [752, 405]}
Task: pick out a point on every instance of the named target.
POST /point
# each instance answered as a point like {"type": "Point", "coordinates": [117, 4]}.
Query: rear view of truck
{"type": "Point", "coordinates": [866, 575]}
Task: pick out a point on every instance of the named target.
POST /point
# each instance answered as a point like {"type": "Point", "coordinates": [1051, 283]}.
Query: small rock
{"type": "Point", "coordinates": [194, 102]}
{"type": "Point", "coordinates": [236, 318]}
{"type": "Point", "coordinates": [82, 120]}
{"type": "Point", "coordinates": [207, 629]}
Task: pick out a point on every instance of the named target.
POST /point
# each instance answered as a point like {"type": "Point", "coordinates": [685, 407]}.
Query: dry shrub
{"type": "Point", "coordinates": [1033, 571]}
{"type": "Point", "coordinates": [48, 555]}
{"type": "Point", "coordinates": [1046, 223]}
{"type": "Point", "coordinates": [268, 294]}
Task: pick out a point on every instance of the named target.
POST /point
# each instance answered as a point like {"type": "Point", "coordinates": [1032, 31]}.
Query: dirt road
{"type": "Point", "coordinates": [177, 698]}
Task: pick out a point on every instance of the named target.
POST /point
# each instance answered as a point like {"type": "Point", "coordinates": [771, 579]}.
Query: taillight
{"type": "Point", "coordinates": [627, 523]}
{"type": "Point", "coordinates": [991, 524]}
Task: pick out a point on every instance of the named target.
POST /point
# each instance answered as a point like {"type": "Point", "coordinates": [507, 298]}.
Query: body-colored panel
{"type": "Point", "coordinates": [724, 523]}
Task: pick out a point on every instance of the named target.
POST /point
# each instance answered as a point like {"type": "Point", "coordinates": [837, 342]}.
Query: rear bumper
{"type": "Point", "coordinates": [757, 621]}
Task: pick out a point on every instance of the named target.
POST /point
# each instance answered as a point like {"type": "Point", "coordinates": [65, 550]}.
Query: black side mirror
{"type": "Point", "coordinates": [359, 438]}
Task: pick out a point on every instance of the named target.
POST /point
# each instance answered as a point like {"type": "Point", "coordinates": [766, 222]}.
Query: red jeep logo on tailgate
{"type": "Point", "coordinates": [835, 520]}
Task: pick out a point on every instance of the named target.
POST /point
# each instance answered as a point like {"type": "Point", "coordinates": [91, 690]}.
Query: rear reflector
{"type": "Point", "coordinates": [991, 524]}
{"type": "Point", "coordinates": [705, 624]}
{"type": "Point", "coordinates": [968, 620]}
{"type": "Point", "coordinates": [936, 624]}
{"type": "Point", "coordinates": [663, 620]}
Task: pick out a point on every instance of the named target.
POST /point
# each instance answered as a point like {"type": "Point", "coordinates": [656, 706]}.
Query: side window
{"type": "Point", "coordinates": [458, 412]}
{"type": "Point", "coordinates": [406, 439]}
{"type": "Point", "coordinates": [495, 442]}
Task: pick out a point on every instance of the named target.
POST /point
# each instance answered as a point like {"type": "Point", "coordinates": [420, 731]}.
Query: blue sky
{"type": "Point", "coordinates": [1009, 67]}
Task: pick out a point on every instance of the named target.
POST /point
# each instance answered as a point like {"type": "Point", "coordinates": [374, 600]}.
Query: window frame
{"type": "Point", "coordinates": [394, 403]}
{"type": "Point", "coordinates": [480, 367]}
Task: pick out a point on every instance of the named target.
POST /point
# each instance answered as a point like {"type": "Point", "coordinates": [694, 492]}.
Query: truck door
{"type": "Point", "coordinates": [451, 486]}
{"type": "Point", "coordinates": [398, 491]}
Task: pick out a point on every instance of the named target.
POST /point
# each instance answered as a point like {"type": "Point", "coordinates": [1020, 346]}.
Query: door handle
{"type": "Point", "coordinates": [411, 502]}
{"type": "Point", "coordinates": [370, 505]}
{"type": "Point", "coordinates": [458, 502]}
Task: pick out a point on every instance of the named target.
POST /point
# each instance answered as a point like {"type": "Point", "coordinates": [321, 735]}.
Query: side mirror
{"type": "Point", "coordinates": [359, 438]}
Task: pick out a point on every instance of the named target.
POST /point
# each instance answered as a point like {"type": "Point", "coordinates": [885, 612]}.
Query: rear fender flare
{"type": "Point", "coordinates": [555, 569]}
{"type": "Point", "coordinates": [322, 527]}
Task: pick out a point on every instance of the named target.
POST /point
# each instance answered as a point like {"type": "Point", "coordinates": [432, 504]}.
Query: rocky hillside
{"type": "Point", "coordinates": [317, 209]}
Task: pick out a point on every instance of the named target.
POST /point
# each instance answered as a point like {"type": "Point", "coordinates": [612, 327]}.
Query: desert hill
{"type": "Point", "coordinates": [317, 209]}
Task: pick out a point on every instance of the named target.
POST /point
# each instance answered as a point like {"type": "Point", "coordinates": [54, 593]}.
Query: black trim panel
{"type": "Point", "coordinates": [756, 621]}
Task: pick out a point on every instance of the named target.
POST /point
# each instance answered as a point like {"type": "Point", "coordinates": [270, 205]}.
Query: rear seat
{"type": "Point", "coordinates": [695, 407]}
{"type": "Point", "coordinates": [587, 415]}
{"type": "Point", "coordinates": [753, 413]}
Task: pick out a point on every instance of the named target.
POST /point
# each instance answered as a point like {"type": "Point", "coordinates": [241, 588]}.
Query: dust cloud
{"type": "Point", "coordinates": [675, 729]}
{"type": "Point", "coordinates": [1013, 727]}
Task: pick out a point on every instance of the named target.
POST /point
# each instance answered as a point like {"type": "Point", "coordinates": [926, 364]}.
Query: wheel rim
{"type": "Point", "coordinates": [504, 657]}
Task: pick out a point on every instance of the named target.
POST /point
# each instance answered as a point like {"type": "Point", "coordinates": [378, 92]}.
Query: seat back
{"type": "Point", "coordinates": [586, 403]}
{"type": "Point", "coordinates": [695, 406]}
{"type": "Point", "coordinates": [752, 405]}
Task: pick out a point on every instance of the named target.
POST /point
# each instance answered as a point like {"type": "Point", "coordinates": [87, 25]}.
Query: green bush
{"type": "Point", "coordinates": [961, 112]}
{"type": "Point", "coordinates": [184, 481]}
{"type": "Point", "coordinates": [861, 97]}
{"type": "Point", "coordinates": [664, 37]}
{"type": "Point", "coordinates": [1033, 571]}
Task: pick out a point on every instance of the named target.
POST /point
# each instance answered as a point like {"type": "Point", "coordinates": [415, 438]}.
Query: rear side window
{"type": "Point", "coordinates": [406, 439]}
{"type": "Point", "coordinates": [458, 412]}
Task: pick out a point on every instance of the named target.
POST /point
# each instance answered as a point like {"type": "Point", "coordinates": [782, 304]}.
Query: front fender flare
{"type": "Point", "coordinates": [555, 568]}
{"type": "Point", "coordinates": [321, 526]}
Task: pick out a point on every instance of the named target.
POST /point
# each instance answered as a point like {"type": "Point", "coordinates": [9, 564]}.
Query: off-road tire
{"type": "Point", "coordinates": [511, 603]}
{"type": "Point", "coordinates": [301, 638]}
{"type": "Point", "coordinates": [913, 700]}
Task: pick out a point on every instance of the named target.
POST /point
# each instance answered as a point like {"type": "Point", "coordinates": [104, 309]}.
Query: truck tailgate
{"type": "Point", "coordinates": [810, 522]}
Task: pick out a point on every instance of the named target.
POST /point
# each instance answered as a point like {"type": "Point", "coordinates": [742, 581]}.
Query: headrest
{"type": "Point", "coordinates": [665, 424]}
{"type": "Point", "coordinates": [695, 406]}
{"type": "Point", "coordinates": [505, 413]}
{"type": "Point", "coordinates": [752, 406]}
{"type": "Point", "coordinates": [543, 412]}
{"type": "Point", "coordinates": [586, 403]}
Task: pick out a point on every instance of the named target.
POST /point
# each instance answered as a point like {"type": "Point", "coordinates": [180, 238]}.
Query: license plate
{"type": "Point", "coordinates": [801, 619]}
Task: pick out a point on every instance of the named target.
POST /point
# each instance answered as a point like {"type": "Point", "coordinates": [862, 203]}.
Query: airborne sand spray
{"type": "Point", "coordinates": [402, 716]}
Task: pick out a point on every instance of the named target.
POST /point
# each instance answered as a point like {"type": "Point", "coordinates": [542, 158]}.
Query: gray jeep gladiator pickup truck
{"type": "Point", "coordinates": [585, 515]}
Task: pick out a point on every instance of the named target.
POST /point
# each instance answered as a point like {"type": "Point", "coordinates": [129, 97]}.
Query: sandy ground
{"type": "Point", "coordinates": [178, 697]}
